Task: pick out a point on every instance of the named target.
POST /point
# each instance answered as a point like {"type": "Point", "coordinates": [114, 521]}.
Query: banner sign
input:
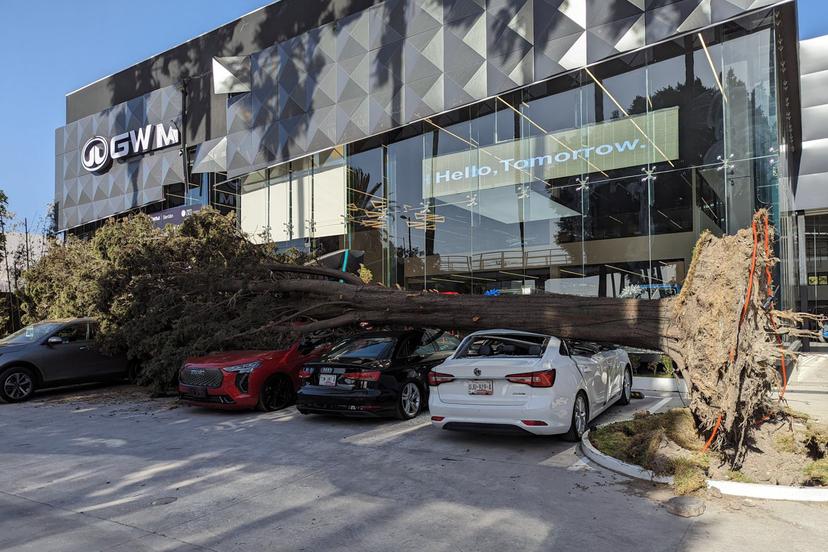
{"type": "Point", "coordinates": [173, 215]}
{"type": "Point", "coordinates": [628, 142]}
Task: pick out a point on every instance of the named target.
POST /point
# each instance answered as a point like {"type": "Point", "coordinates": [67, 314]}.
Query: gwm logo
{"type": "Point", "coordinates": [98, 153]}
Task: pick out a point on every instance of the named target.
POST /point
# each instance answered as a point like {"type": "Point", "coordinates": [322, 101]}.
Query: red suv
{"type": "Point", "coordinates": [237, 380]}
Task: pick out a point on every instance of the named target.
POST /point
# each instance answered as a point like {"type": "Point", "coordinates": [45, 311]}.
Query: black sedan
{"type": "Point", "coordinates": [374, 374]}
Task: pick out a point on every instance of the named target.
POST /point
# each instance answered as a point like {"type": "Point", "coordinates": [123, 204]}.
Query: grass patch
{"type": "Point", "coordinates": [736, 475]}
{"type": "Point", "coordinates": [816, 441]}
{"type": "Point", "coordinates": [817, 471]}
{"type": "Point", "coordinates": [688, 475]}
{"type": "Point", "coordinates": [639, 441]}
{"type": "Point", "coordinates": [786, 442]}
{"type": "Point", "coordinates": [796, 414]}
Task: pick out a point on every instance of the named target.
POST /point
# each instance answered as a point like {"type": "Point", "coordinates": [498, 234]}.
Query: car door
{"type": "Point", "coordinates": [609, 370]}
{"type": "Point", "coordinates": [100, 364]}
{"type": "Point", "coordinates": [69, 359]}
{"type": "Point", "coordinates": [594, 372]}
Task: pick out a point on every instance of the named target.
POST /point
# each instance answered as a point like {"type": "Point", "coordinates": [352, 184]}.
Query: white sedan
{"type": "Point", "coordinates": [503, 379]}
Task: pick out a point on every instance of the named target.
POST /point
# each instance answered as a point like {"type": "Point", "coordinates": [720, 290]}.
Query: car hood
{"type": "Point", "coordinates": [232, 358]}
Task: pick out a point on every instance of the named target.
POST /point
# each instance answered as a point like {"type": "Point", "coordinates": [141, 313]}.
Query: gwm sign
{"type": "Point", "coordinates": [98, 153]}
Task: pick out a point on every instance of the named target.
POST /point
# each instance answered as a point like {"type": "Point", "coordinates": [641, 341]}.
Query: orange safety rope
{"type": "Point", "coordinates": [713, 435]}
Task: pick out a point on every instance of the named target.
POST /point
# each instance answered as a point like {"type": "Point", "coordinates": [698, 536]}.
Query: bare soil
{"type": "Point", "coordinates": [125, 397]}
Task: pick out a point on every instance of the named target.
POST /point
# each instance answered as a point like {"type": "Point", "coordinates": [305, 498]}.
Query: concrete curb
{"type": "Point", "coordinates": [770, 492]}
{"type": "Point", "coordinates": [669, 385]}
{"type": "Point", "coordinates": [618, 466]}
{"type": "Point", "coordinates": [732, 488]}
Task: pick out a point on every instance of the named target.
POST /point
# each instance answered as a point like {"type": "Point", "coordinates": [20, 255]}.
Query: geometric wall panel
{"type": "Point", "coordinates": [231, 75]}
{"type": "Point", "coordinates": [84, 197]}
{"type": "Point", "coordinates": [404, 60]}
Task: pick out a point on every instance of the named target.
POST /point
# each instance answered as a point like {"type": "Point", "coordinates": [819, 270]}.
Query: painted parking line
{"type": "Point", "coordinates": [661, 404]}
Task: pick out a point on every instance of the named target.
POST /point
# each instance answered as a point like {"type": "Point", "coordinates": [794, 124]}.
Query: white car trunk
{"type": "Point", "coordinates": [490, 369]}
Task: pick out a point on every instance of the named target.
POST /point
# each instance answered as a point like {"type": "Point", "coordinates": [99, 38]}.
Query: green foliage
{"type": "Point", "coordinates": [157, 293]}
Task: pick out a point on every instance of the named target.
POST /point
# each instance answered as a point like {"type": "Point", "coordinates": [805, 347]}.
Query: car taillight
{"type": "Point", "coordinates": [373, 375]}
{"type": "Point", "coordinates": [545, 378]}
{"type": "Point", "coordinates": [534, 423]}
{"type": "Point", "coordinates": [305, 373]}
{"type": "Point", "coordinates": [436, 378]}
{"type": "Point", "coordinates": [437, 418]}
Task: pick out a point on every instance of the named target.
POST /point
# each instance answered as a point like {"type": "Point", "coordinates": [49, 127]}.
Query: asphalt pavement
{"type": "Point", "coordinates": [146, 475]}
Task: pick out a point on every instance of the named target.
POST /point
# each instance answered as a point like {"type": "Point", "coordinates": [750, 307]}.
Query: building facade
{"type": "Point", "coordinates": [811, 200]}
{"type": "Point", "coordinates": [474, 146]}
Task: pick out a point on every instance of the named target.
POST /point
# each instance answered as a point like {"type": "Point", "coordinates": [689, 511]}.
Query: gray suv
{"type": "Point", "coordinates": [53, 353]}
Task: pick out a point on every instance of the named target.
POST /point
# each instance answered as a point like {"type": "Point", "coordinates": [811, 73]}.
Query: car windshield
{"type": "Point", "coordinates": [370, 348]}
{"type": "Point", "coordinates": [517, 345]}
{"type": "Point", "coordinates": [30, 333]}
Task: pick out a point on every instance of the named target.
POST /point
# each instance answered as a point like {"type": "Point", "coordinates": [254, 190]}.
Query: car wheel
{"type": "Point", "coordinates": [276, 393]}
{"type": "Point", "coordinates": [626, 388]}
{"type": "Point", "coordinates": [410, 401]}
{"type": "Point", "coordinates": [17, 384]}
{"type": "Point", "coordinates": [580, 418]}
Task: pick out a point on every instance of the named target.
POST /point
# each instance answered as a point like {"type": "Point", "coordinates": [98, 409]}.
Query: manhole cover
{"type": "Point", "coordinates": [163, 500]}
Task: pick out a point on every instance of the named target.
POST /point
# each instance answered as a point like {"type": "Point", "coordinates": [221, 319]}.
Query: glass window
{"type": "Point", "coordinates": [73, 332]}
{"type": "Point", "coordinates": [362, 348]}
{"type": "Point", "coordinates": [30, 334]}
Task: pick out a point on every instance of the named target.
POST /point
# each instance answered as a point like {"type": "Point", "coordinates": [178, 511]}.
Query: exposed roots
{"type": "Point", "coordinates": [727, 334]}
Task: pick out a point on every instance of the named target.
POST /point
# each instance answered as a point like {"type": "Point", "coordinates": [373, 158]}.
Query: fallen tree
{"type": "Point", "coordinates": [162, 295]}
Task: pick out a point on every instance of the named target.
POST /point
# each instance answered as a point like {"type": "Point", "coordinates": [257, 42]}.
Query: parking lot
{"type": "Point", "coordinates": [109, 469]}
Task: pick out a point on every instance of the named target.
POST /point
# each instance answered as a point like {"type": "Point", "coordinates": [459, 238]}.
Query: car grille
{"type": "Point", "coordinates": [213, 399]}
{"type": "Point", "coordinates": [206, 377]}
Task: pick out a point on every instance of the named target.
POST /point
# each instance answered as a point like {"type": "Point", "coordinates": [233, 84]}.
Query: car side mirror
{"type": "Point", "coordinates": [54, 340]}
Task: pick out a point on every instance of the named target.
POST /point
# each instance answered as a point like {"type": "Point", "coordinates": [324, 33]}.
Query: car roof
{"type": "Point", "coordinates": [501, 331]}
{"type": "Point", "coordinates": [386, 333]}
{"type": "Point", "coordinates": [66, 320]}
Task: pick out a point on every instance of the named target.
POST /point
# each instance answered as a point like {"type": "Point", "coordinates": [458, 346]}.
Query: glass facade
{"type": "Point", "coordinates": [596, 183]}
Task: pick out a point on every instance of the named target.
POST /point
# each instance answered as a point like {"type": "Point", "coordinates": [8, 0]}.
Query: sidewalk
{"type": "Point", "coordinates": [808, 386]}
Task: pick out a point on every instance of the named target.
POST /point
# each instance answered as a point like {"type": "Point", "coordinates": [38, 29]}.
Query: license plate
{"type": "Point", "coordinates": [481, 387]}
{"type": "Point", "coordinates": [327, 379]}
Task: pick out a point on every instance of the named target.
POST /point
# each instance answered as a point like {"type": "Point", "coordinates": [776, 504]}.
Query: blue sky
{"type": "Point", "coordinates": [49, 48]}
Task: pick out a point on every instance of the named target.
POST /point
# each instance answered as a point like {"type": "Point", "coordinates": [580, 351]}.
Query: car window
{"type": "Point", "coordinates": [31, 333]}
{"type": "Point", "coordinates": [72, 332]}
{"type": "Point", "coordinates": [504, 345]}
{"type": "Point", "coordinates": [427, 345]}
{"type": "Point", "coordinates": [408, 347]}
{"type": "Point", "coordinates": [362, 348]}
{"type": "Point", "coordinates": [447, 342]}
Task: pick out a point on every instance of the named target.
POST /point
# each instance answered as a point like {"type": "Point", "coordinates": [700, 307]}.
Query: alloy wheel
{"type": "Point", "coordinates": [410, 399]}
{"type": "Point", "coordinates": [580, 415]}
{"type": "Point", "coordinates": [17, 386]}
{"type": "Point", "coordinates": [627, 385]}
{"type": "Point", "coordinates": [276, 394]}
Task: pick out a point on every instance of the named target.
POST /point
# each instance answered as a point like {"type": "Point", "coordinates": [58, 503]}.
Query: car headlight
{"type": "Point", "coordinates": [245, 368]}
